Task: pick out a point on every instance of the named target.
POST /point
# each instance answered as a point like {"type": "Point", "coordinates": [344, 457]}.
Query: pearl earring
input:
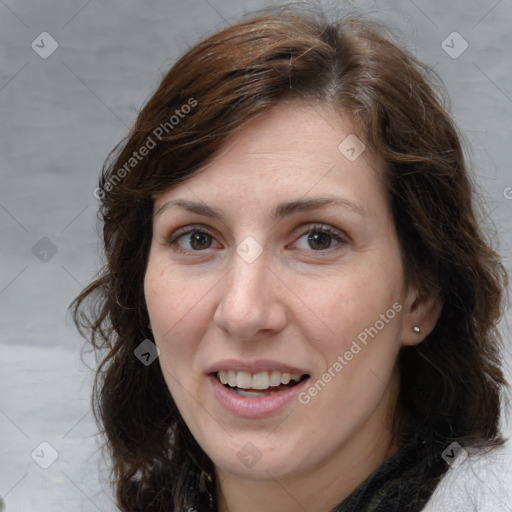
{"type": "Point", "coordinates": [416, 329]}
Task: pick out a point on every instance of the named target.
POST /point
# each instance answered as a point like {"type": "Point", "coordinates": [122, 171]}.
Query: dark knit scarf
{"type": "Point", "coordinates": [402, 483]}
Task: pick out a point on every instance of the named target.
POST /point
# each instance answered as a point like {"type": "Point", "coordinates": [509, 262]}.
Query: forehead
{"type": "Point", "coordinates": [294, 150]}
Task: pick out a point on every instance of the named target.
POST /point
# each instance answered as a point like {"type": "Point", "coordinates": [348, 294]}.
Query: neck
{"type": "Point", "coordinates": [319, 489]}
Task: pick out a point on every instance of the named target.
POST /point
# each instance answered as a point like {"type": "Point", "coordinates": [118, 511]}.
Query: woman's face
{"type": "Point", "coordinates": [276, 295]}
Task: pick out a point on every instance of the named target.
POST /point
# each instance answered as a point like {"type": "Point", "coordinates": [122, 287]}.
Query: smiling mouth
{"type": "Point", "coordinates": [253, 385]}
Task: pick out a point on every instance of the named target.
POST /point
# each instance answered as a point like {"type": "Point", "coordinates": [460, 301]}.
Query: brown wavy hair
{"type": "Point", "coordinates": [450, 382]}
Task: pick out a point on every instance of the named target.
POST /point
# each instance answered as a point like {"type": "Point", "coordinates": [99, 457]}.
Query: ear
{"type": "Point", "coordinates": [420, 310]}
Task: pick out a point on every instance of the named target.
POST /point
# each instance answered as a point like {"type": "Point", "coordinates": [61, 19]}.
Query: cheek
{"type": "Point", "coordinates": [349, 305]}
{"type": "Point", "coordinates": [173, 308]}
{"type": "Point", "coordinates": [170, 298]}
{"type": "Point", "coordinates": [358, 349]}
{"type": "Point", "coordinates": [174, 327]}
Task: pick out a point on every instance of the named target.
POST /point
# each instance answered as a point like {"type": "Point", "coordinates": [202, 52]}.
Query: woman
{"type": "Point", "coordinates": [298, 308]}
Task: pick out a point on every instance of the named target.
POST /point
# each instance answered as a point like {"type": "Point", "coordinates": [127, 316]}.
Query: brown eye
{"type": "Point", "coordinates": [191, 240]}
{"type": "Point", "coordinates": [199, 240]}
{"type": "Point", "coordinates": [321, 238]}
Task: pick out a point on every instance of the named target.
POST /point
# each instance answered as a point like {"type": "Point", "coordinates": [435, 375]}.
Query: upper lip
{"type": "Point", "coordinates": [256, 366]}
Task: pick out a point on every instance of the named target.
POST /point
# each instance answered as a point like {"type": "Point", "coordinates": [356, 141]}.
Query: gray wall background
{"type": "Point", "coordinates": [61, 115]}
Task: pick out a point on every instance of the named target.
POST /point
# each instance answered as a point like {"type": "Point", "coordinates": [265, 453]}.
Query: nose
{"type": "Point", "coordinates": [250, 303]}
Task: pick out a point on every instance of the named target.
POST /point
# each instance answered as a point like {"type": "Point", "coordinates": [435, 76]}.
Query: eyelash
{"type": "Point", "coordinates": [317, 228]}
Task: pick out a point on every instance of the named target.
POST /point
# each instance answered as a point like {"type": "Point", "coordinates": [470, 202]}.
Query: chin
{"type": "Point", "coordinates": [257, 457]}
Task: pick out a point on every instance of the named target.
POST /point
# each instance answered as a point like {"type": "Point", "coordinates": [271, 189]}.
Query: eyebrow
{"type": "Point", "coordinates": [280, 211]}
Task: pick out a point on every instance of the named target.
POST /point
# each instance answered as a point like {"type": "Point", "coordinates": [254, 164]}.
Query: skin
{"type": "Point", "coordinates": [298, 302]}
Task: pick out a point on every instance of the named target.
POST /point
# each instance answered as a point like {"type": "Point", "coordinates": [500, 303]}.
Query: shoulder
{"type": "Point", "coordinates": [476, 481]}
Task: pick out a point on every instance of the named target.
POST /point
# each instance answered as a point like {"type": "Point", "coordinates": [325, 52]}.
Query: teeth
{"type": "Point", "coordinates": [261, 380]}
{"type": "Point", "coordinates": [251, 394]}
{"type": "Point", "coordinates": [243, 380]}
{"type": "Point", "coordinates": [275, 378]}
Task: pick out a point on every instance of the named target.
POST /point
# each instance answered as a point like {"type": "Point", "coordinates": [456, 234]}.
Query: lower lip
{"type": "Point", "coordinates": [255, 407]}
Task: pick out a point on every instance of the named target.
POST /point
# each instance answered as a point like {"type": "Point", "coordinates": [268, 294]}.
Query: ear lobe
{"type": "Point", "coordinates": [422, 311]}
